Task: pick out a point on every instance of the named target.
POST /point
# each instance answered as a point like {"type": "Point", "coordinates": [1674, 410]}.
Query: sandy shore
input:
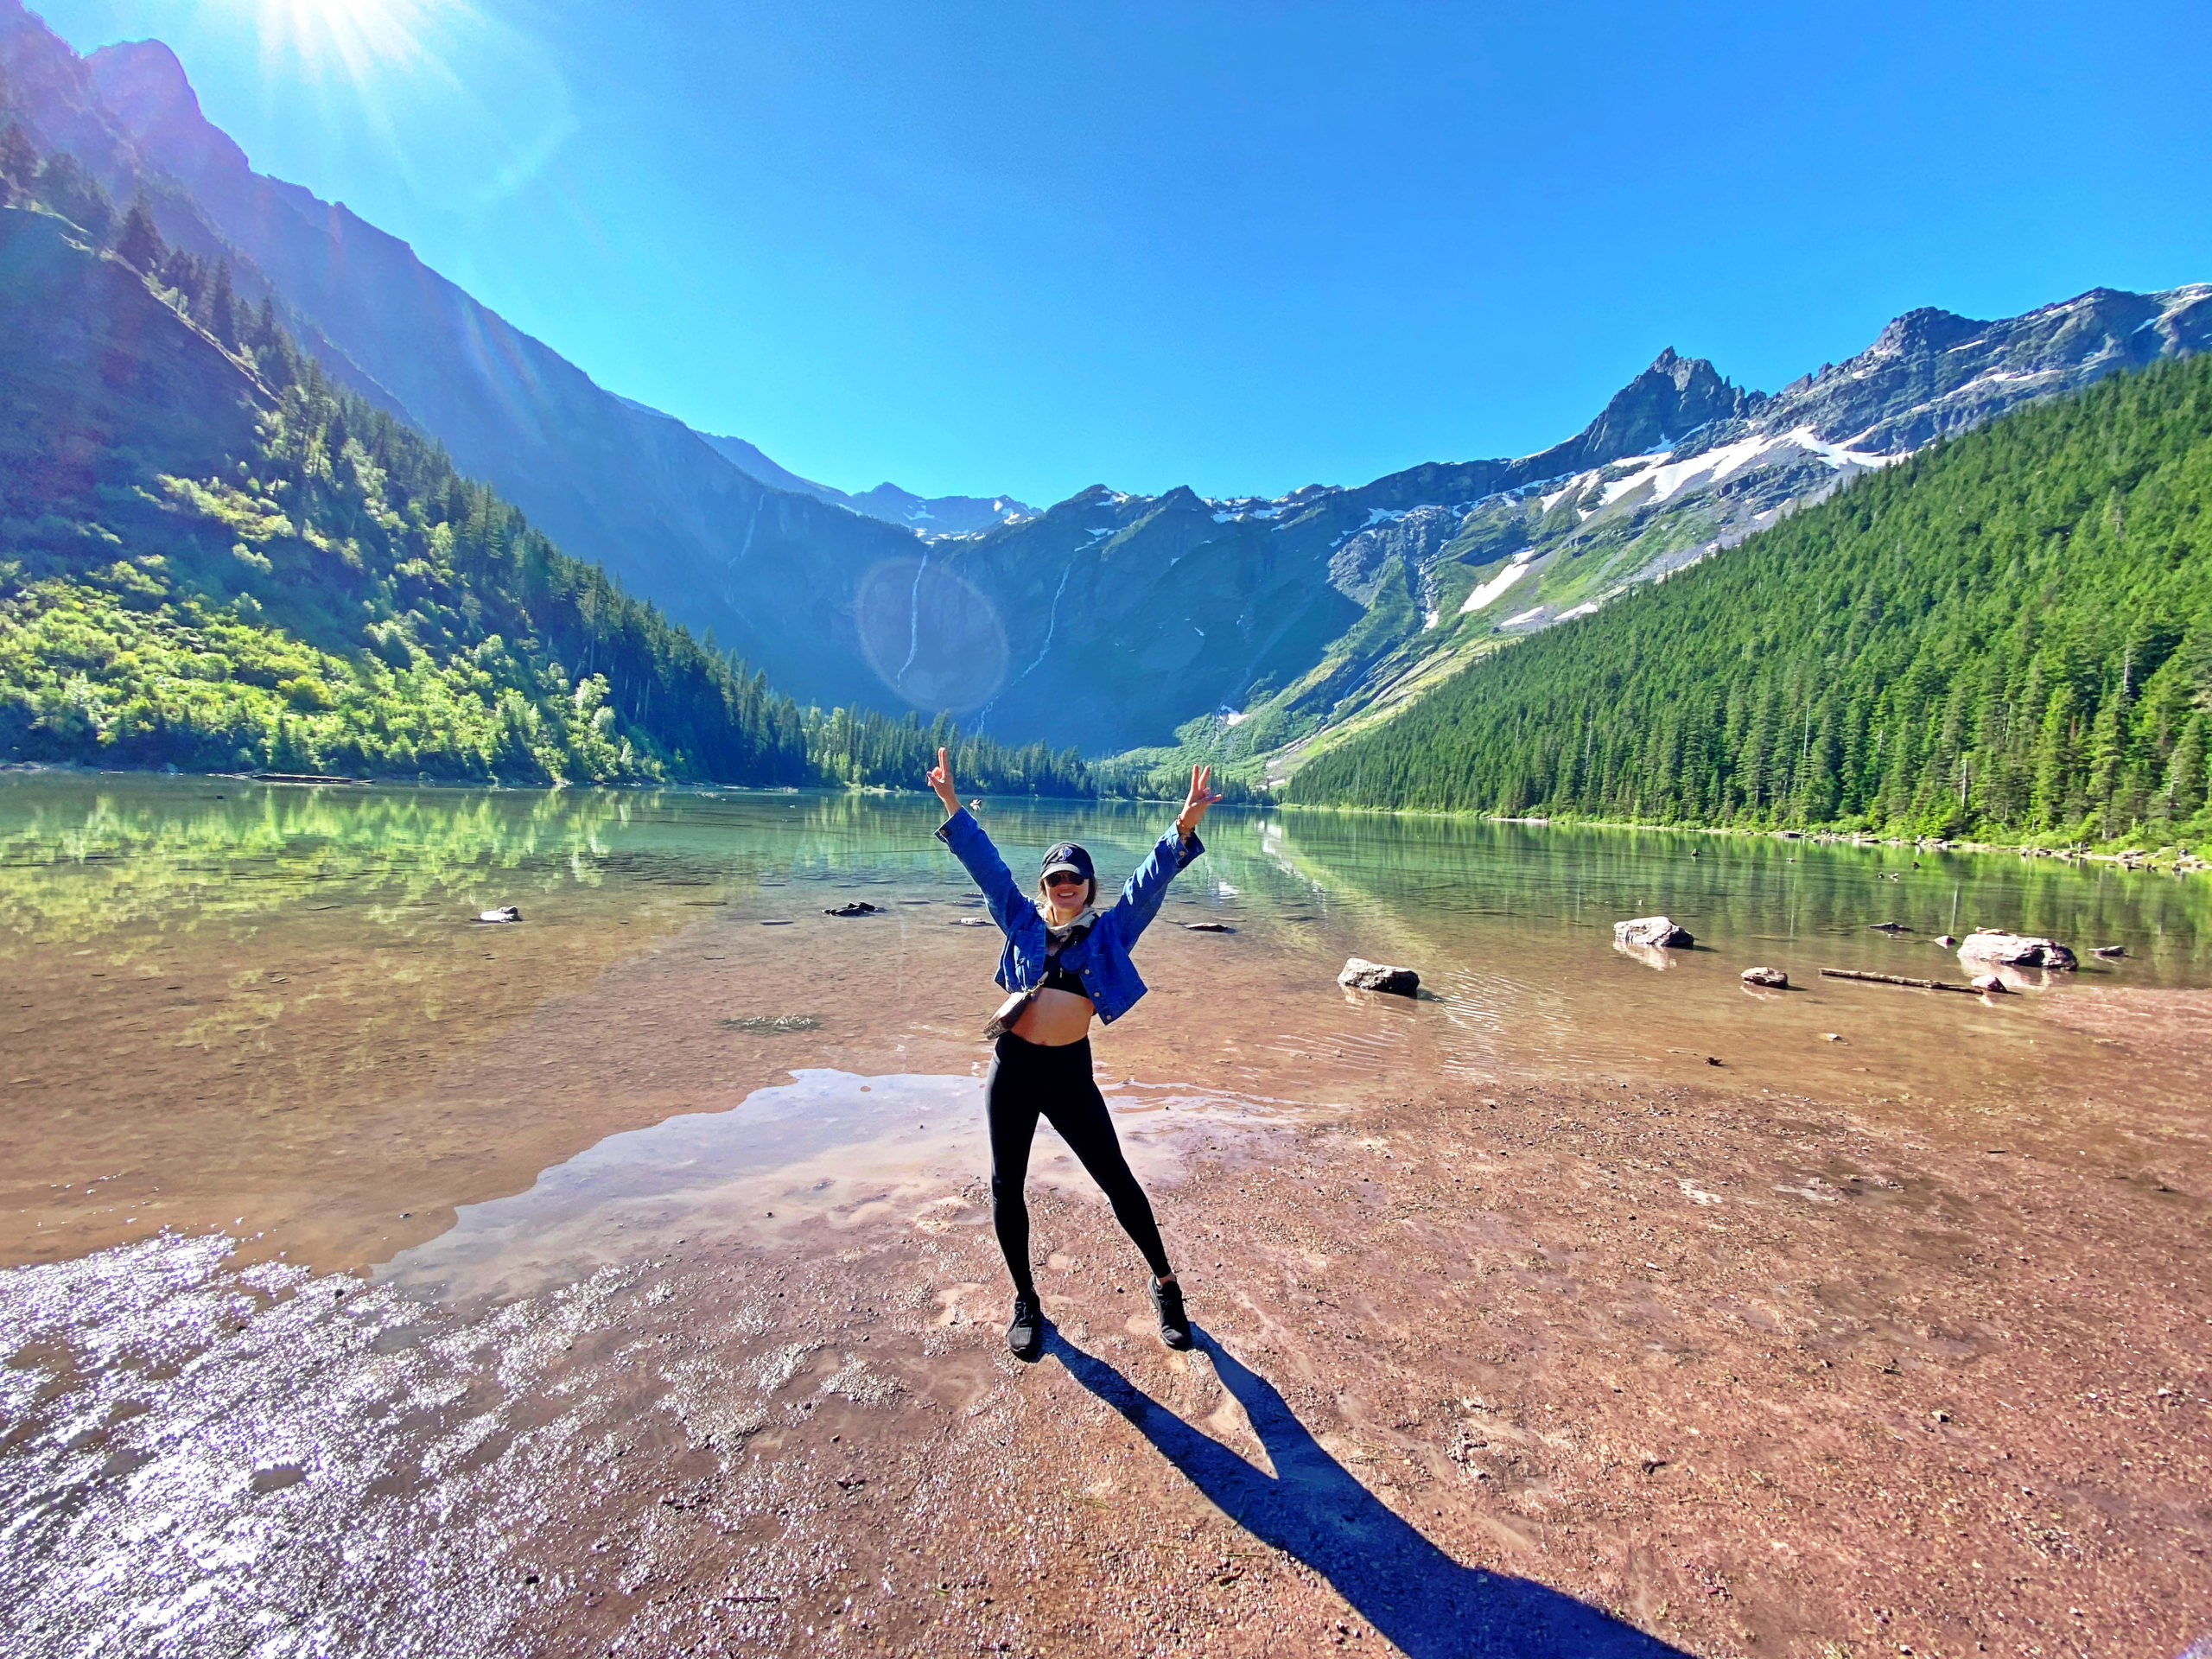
{"type": "Point", "coordinates": [1616, 1369]}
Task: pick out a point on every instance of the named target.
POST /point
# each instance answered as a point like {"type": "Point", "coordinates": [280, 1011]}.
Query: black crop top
{"type": "Point", "coordinates": [1059, 978]}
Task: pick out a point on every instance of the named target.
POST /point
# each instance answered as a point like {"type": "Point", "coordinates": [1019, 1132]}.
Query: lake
{"type": "Point", "coordinates": [268, 1010]}
{"type": "Point", "coordinates": [376, 1280]}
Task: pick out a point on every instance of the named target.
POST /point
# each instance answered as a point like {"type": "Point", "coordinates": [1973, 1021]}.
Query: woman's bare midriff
{"type": "Point", "coordinates": [1054, 1019]}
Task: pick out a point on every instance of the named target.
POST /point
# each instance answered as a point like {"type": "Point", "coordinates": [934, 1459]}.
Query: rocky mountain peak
{"type": "Point", "coordinates": [146, 89]}
{"type": "Point", "coordinates": [1675, 396]}
{"type": "Point", "coordinates": [1928, 328]}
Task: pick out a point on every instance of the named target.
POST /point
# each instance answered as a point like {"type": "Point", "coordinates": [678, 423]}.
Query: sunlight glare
{"type": "Point", "coordinates": [356, 38]}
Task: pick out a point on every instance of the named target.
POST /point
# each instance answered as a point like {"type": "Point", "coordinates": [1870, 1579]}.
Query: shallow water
{"type": "Point", "coordinates": [269, 1009]}
{"type": "Point", "coordinates": [258, 1046]}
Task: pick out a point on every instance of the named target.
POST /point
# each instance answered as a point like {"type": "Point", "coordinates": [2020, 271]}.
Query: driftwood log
{"type": "Point", "coordinates": [1899, 979]}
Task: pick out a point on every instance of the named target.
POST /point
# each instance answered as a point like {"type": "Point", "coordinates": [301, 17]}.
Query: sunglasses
{"type": "Point", "coordinates": [1064, 881]}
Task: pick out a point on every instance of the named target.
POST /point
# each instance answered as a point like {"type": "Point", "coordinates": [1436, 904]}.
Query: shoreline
{"type": "Point", "coordinates": [2166, 857]}
{"type": "Point", "coordinates": [1528, 1370]}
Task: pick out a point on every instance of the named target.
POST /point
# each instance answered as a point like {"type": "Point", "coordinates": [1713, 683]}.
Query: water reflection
{"type": "Point", "coordinates": [82, 855]}
{"type": "Point", "coordinates": [219, 982]}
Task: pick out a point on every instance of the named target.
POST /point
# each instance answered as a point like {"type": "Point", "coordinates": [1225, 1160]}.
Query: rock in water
{"type": "Point", "coordinates": [857, 908]}
{"type": "Point", "coordinates": [2015, 951]}
{"type": "Point", "coordinates": [1361, 974]}
{"type": "Point", "coordinates": [2110, 952]}
{"type": "Point", "coordinates": [504, 913]}
{"type": "Point", "coordinates": [1773, 978]}
{"type": "Point", "coordinates": [1208, 927]}
{"type": "Point", "coordinates": [1945, 941]}
{"type": "Point", "coordinates": [1651, 930]}
{"type": "Point", "coordinates": [1989, 984]}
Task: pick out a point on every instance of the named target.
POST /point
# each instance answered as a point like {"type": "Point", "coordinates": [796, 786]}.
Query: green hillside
{"type": "Point", "coordinates": [2010, 635]}
{"type": "Point", "coordinates": [212, 557]}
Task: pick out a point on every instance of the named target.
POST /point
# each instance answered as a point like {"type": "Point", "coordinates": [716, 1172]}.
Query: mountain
{"type": "Point", "coordinates": [1301, 621]}
{"type": "Point", "coordinates": [2008, 634]}
{"type": "Point", "coordinates": [215, 557]}
{"type": "Point", "coordinates": [1255, 633]}
{"type": "Point", "coordinates": [927, 516]}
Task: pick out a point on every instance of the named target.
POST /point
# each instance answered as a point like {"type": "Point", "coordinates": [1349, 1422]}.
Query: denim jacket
{"type": "Point", "coordinates": [1102, 956]}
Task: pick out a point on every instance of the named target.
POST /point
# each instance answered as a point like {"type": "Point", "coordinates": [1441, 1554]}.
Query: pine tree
{"type": "Point", "coordinates": [2186, 783]}
{"type": "Point", "coordinates": [139, 245]}
{"type": "Point", "coordinates": [18, 159]}
{"type": "Point", "coordinates": [76, 195]}
{"type": "Point", "coordinates": [222, 306]}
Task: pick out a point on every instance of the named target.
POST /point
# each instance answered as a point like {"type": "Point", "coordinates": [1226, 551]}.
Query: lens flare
{"type": "Point", "coordinates": [358, 39]}
{"type": "Point", "coordinates": [470, 106]}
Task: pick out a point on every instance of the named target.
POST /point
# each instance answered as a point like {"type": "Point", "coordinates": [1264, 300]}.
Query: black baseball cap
{"type": "Point", "coordinates": [1069, 856]}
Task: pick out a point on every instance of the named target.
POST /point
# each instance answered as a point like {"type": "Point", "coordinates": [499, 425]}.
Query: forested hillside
{"type": "Point", "coordinates": [2009, 635]}
{"type": "Point", "coordinates": [211, 556]}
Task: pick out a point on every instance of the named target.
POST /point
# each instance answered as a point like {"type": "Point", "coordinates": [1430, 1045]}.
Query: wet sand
{"type": "Point", "coordinates": [1538, 1370]}
{"type": "Point", "coordinates": [624, 1283]}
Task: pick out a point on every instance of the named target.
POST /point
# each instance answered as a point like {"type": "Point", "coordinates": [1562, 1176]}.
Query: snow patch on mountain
{"type": "Point", "coordinates": [1494, 587]}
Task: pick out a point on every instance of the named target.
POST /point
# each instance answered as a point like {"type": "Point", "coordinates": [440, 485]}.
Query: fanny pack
{"type": "Point", "coordinates": [1009, 1011]}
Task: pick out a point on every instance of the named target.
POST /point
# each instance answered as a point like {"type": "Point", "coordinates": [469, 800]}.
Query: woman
{"type": "Point", "coordinates": [1064, 960]}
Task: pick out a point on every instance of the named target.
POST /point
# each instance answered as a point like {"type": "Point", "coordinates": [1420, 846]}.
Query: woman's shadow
{"type": "Point", "coordinates": [1408, 1588]}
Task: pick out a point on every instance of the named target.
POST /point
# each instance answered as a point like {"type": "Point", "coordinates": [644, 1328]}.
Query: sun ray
{"type": "Point", "coordinates": [358, 39]}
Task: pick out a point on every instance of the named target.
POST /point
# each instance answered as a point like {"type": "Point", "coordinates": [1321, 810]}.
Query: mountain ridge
{"type": "Point", "coordinates": [1249, 630]}
{"type": "Point", "coordinates": [2006, 635]}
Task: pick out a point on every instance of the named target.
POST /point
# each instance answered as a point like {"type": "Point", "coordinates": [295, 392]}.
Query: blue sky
{"type": "Point", "coordinates": [1029, 248]}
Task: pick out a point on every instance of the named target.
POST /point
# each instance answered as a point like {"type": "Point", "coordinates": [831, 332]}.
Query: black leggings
{"type": "Point", "coordinates": [1026, 1080]}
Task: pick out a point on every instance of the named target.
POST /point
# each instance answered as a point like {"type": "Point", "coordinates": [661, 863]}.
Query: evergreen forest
{"type": "Point", "coordinates": [214, 557]}
{"type": "Point", "coordinates": [2008, 636]}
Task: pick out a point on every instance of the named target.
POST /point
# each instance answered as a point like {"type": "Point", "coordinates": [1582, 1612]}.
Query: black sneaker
{"type": "Point", "coordinates": [1025, 1331]}
{"type": "Point", "coordinates": [1174, 1323]}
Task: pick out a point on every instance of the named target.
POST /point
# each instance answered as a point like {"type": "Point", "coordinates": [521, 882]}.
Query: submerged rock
{"type": "Point", "coordinates": [2109, 952]}
{"type": "Point", "coordinates": [2015, 951]}
{"type": "Point", "coordinates": [1773, 978]}
{"type": "Point", "coordinates": [1208, 927]}
{"type": "Point", "coordinates": [856, 907]}
{"type": "Point", "coordinates": [504, 913]}
{"type": "Point", "coordinates": [1361, 974]}
{"type": "Point", "coordinates": [1887, 927]}
{"type": "Point", "coordinates": [1651, 930]}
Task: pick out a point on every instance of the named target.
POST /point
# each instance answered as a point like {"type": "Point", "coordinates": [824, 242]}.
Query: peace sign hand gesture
{"type": "Point", "coordinates": [1195, 804]}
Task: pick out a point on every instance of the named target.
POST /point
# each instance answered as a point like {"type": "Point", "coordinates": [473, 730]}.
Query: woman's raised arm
{"type": "Point", "coordinates": [1011, 908]}
{"type": "Point", "coordinates": [941, 781]}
